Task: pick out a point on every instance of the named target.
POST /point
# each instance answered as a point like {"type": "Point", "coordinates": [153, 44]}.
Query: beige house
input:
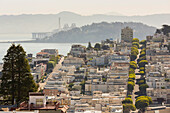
{"type": "Point", "coordinates": [73, 61]}
{"type": "Point", "coordinates": [157, 94]}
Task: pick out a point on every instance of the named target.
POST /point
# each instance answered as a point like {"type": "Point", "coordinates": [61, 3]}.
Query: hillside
{"type": "Point", "coordinates": [100, 31]}
{"type": "Point", "coordinates": [17, 24]}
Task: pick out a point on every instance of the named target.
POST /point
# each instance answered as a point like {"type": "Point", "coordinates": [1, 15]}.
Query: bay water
{"type": "Point", "coordinates": [63, 48]}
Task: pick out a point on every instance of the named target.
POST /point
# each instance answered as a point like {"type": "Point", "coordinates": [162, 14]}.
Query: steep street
{"type": "Point", "coordinates": [136, 87]}
{"type": "Point", "coordinates": [55, 70]}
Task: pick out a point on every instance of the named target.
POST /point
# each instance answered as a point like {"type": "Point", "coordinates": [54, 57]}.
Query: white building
{"type": "Point", "coordinates": [155, 80]}
{"type": "Point", "coordinates": [37, 100]}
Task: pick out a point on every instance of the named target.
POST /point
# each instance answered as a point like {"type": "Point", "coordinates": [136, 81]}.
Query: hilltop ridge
{"type": "Point", "coordinates": [28, 23]}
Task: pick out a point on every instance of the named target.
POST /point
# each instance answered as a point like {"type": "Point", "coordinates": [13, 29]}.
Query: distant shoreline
{"type": "Point", "coordinates": [35, 41]}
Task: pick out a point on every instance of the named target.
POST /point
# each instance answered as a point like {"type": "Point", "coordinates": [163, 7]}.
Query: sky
{"type": "Point", "coordinates": [84, 7]}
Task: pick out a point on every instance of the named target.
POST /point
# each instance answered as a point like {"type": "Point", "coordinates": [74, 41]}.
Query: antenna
{"type": "Point", "coordinates": [59, 24]}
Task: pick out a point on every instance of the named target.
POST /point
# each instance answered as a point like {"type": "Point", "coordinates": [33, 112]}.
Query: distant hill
{"type": "Point", "coordinates": [100, 31]}
{"type": "Point", "coordinates": [48, 22]}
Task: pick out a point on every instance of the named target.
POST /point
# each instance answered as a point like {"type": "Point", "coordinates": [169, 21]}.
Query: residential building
{"type": "Point", "coordinates": [126, 34]}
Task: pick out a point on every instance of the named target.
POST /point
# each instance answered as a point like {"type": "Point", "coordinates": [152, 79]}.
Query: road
{"type": "Point", "coordinates": [136, 87]}
{"type": "Point", "coordinates": [55, 70]}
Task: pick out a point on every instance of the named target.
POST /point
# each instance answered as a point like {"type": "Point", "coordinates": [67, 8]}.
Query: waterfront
{"type": "Point", "coordinates": [34, 48]}
{"type": "Point", "coordinates": [63, 48]}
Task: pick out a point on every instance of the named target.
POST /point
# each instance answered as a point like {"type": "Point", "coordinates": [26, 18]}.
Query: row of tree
{"type": "Point", "coordinates": [142, 100]}
{"type": "Point", "coordinates": [128, 104]}
{"type": "Point", "coordinates": [133, 65]}
{"type": "Point", "coordinates": [97, 47]}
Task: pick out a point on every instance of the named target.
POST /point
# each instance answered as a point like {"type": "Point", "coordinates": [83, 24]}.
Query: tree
{"type": "Point", "coordinates": [134, 50]}
{"type": "Point", "coordinates": [128, 107]}
{"type": "Point", "coordinates": [143, 42]}
{"type": "Point", "coordinates": [131, 76]}
{"type": "Point", "coordinates": [127, 101]}
{"type": "Point", "coordinates": [142, 54]}
{"type": "Point", "coordinates": [141, 58]}
{"type": "Point", "coordinates": [97, 46]}
{"type": "Point", "coordinates": [142, 69]}
{"type": "Point", "coordinates": [142, 63]}
{"type": "Point", "coordinates": [130, 86]}
{"type": "Point", "coordinates": [142, 102]}
{"type": "Point", "coordinates": [142, 73]}
{"type": "Point", "coordinates": [133, 57]}
{"type": "Point", "coordinates": [135, 43]}
{"type": "Point", "coordinates": [104, 79]}
{"type": "Point", "coordinates": [50, 65]}
{"type": "Point", "coordinates": [141, 82]}
{"type": "Point", "coordinates": [70, 86]}
{"type": "Point", "coordinates": [133, 64]}
{"type": "Point", "coordinates": [83, 86]}
{"type": "Point", "coordinates": [142, 88]}
{"type": "Point", "coordinates": [89, 46]}
{"type": "Point", "coordinates": [135, 40]}
{"type": "Point", "coordinates": [17, 80]}
{"type": "Point", "coordinates": [131, 71]}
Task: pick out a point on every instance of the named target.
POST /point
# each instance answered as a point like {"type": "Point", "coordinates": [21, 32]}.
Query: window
{"type": "Point", "coordinates": [39, 102]}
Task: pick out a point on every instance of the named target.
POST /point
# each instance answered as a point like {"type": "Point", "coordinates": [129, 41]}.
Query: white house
{"type": "Point", "coordinates": [37, 100]}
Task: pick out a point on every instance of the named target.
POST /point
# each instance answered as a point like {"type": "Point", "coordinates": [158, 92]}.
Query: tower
{"type": "Point", "coordinates": [126, 34]}
{"type": "Point", "coordinates": [59, 24]}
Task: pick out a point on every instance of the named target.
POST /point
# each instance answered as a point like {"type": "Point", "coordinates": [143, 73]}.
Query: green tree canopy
{"type": "Point", "coordinates": [133, 64]}
{"type": "Point", "coordinates": [133, 57]}
{"type": "Point", "coordinates": [142, 54]}
{"type": "Point", "coordinates": [142, 69]}
{"type": "Point", "coordinates": [142, 104]}
{"type": "Point", "coordinates": [83, 86]}
{"type": "Point", "coordinates": [130, 86]}
{"type": "Point", "coordinates": [128, 107]}
{"type": "Point", "coordinates": [132, 77]}
{"type": "Point", "coordinates": [127, 101]}
{"type": "Point", "coordinates": [131, 71]}
{"type": "Point", "coordinates": [135, 40]}
{"type": "Point", "coordinates": [17, 80]}
{"type": "Point", "coordinates": [50, 64]}
{"type": "Point", "coordinates": [142, 88]}
{"type": "Point", "coordinates": [135, 43]}
{"type": "Point", "coordinates": [143, 42]}
{"type": "Point", "coordinates": [142, 63]}
{"type": "Point", "coordinates": [89, 46]}
{"type": "Point", "coordinates": [141, 82]}
{"type": "Point", "coordinates": [142, 73]}
{"type": "Point", "coordinates": [97, 46]}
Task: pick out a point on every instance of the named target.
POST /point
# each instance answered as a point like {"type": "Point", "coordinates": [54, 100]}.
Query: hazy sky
{"type": "Point", "coordinates": [84, 7]}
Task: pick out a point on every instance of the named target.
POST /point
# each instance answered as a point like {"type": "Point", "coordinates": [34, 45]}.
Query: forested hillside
{"type": "Point", "coordinates": [100, 31]}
